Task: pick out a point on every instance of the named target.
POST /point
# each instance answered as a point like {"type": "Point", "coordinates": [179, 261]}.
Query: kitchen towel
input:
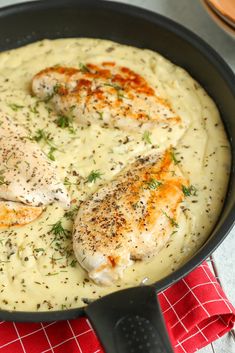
{"type": "Point", "coordinates": [195, 309]}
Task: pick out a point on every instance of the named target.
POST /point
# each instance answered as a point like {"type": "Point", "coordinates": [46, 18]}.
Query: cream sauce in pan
{"type": "Point", "coordinates": [38, 270]}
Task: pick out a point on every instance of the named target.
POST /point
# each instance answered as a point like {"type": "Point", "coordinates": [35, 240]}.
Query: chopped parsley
{"type": "Point", "coordinates": [57, 89]}
{"type": "Point", "coordinates": [42, 135]}
{"type": "Point", "coordinates": [153, 184]}
{"type": "Point", "coordinates": [120, 95]}
{"type": "Point", "coordinates": [65, 122]}
{"type": "Point", "coordinates": [54, 260]}
{"type": "Point", "coordinates": [189, 191]}
{"type": "Point", "coordinates": [100, 115]}
{"type": "Point", "coordinates": [146, 137]}
{"type": "Point", "coordinates": [67, 182]}
{"type": "Point", "coordinates": [2, 178]}
{"type": "Point", "coordinates": [83, 68]}
{"type": "Point", "coordinates": [39, 250]}
{"type": "Point", "coordinates": [57, 229]}
{"type": "Point", "coordinates": [114, 85]}
{"type": "Point", "coordinates": [93, 176]}
{"type": "Point", "coordinates": [34, 108]}
{"type": "Point", "coordinates": [73, 263]}
{"type": "Point", "coordinates": [71, 213]}
{"type": "Point", "coordinates": [50, 154]}
{"type": "Point", "coordinates": [62, 121]}
{"type": "Point", "coordinates": [172, 220]}
{"type": "Point", "coordinates": [118, 89]}
{"type": "Point", "coordinates": [15, 107]}
{"type": "Point", "coordinates": [173, 157]}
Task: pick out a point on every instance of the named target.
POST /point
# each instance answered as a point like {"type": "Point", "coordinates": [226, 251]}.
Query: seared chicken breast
{"type": "Point", "coordinates": [106, 94]}
{"type": "Point", "coordinates": [17, 214]}
{"type": "Point", "coordinates": [131, 218]}
{"type": "Point", "coordinates": [26, 176]}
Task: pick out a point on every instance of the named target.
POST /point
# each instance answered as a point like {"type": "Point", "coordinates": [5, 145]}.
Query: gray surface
{"type": "Point", "coordinates": [191, 14]}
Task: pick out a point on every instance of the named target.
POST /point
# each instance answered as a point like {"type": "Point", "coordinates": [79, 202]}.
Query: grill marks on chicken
{"type": "Point", "coordinates": [106, 94]}
{"type": "Point", "coordinates": [131, 218]}
{"type": "Point", "coordinates": [27, 177]}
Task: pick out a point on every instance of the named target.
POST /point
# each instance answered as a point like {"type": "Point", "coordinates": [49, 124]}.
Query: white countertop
{"type": "Point", "coordinates": [191, 14]}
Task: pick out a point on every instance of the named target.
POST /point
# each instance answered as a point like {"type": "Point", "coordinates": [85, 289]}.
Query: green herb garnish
{"type": "Point", "coordinates": [15, 106]}
{"type": "Point", "coordinates": [3, 181]}
{"type": "Point", "coordinates": [73, 263]}
{"type": "Point", "coordinates": [58, 230]}
{"type": "Point", "coordinates": [67, 182]}
{"type": "Point", "coordinates": [70, 183]}
{"type": "Point", "coordinates": [50, 154]}
{"type": "Point", "coordinates": [83, 68]}
{"type": "Point", "coordinates": [118, 88]}
{"type": "Point", "coordinates": [173, 157]}
{"type": "Point", "coordinates": [42, 135]}
{"type": "Point", "coordinates": [39, 250]}
{"type": "Point", "coordinates": [146, 137]}
{"type": "Point", "coordinates": [71, 213]}
{"type": "Point", "coordinates": [62, 121]}
{"type": "Point", "coordinates": [34, 108]}
{"type": "Point", "coordinates": [172, 220]}
{"type": "Point", "coordinates": [189, 191]}
{"type": "Point", "coordinates": [100, 115]}
{"type": "Point", "coordinates": [56, 90]}
{"type": "Point", "coordinates": [120, 95]}
{"type": "Point", "coordinates": [153, 184]}
{"type": "Point", "coordinates": [93, 176]}
{"type": "Point", "coordinates": [65, 122]}
{"type": "Point", "coordinates": [114, 85]}
{"type": "Point", "coordinates": [53, 260]}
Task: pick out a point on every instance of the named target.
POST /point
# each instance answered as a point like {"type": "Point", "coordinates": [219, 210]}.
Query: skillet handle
{"type": "Point", "coordinates": [130, 321]}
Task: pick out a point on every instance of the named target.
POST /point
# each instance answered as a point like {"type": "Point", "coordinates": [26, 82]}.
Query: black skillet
{"type": "Point", "coordinates": [129, 321]}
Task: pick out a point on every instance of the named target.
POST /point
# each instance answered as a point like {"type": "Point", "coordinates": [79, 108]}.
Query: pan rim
{"type": "Point", "coordinates": [221, 67]}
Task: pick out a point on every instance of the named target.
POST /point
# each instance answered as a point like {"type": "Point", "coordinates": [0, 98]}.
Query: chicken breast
{"type": "Point", "coordinates": [131, 218]}
{"type": "Point", "coordinates": [17, 214]}
{"type": "Point", "coordinates": [26, 175]}
{"type": "Point", "coordinates": [106, 94]}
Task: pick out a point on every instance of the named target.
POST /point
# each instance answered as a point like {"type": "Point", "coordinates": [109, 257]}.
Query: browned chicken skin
{"type": "Point", "coordinates": [106, 94]}
{"type": "Point", "coordinates": [17, 214]}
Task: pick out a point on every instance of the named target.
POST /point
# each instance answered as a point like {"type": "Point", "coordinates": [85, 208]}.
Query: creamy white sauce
{"type": "Point", "coordinates": [38, 272]}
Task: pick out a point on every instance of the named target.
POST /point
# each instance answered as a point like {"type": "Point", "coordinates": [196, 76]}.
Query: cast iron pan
{"type": "Point", "coordinates": [129, 321]}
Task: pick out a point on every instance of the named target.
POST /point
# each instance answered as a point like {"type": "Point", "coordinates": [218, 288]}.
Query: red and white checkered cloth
{"type": "Point", "coordinates": [196, 311]}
